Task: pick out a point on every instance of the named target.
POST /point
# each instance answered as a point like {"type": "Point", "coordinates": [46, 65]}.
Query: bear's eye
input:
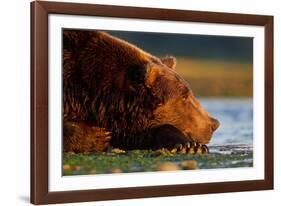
{"type": "Point", "coordinates": [185, 93]}
{"type": "Point", "coordinates": [185, 97]}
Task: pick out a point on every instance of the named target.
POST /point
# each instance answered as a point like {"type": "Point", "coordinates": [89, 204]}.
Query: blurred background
{"type": "Point", "coordinates": [214, 66]}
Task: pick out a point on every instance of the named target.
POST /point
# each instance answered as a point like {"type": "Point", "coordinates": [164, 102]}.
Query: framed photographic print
{"type": "Point", "coordinates": [133, 102]}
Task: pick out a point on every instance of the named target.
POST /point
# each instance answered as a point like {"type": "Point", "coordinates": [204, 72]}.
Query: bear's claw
{"type": "Point", "coordinates": [192, 148]}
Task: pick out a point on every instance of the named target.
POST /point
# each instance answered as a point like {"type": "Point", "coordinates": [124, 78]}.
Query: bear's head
{"type": "Point", "coordinates": [178, 106]}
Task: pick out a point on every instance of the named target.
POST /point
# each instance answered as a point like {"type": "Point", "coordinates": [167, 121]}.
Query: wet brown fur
{"type": "Point", "coordinates": [111, 84]}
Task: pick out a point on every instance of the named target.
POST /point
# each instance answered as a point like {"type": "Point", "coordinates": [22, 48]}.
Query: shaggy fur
{"type": "Point", "coordinates": [112, 96]}
{"type": "Point", "coordinates": [111, 84]}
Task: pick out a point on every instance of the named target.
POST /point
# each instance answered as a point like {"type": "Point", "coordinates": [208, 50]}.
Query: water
{"type": "Point", "coordinates": [235, 133]}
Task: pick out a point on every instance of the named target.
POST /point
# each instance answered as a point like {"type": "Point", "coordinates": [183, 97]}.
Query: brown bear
{"type": "Point", "coordinates": [116, 94]}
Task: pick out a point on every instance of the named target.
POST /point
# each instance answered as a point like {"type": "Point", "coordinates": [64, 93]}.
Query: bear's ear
{"type": "Point", "coordinates": [169, 62]}
{"type": "Point", "coordinates": [152, 73]}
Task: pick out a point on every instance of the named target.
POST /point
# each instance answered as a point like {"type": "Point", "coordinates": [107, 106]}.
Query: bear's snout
{"type": "Point", "coordinates": [214, 124]}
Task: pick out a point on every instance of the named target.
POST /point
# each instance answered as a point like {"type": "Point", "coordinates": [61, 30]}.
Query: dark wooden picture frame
{"type": "Point", "coordinates": [39, 102]}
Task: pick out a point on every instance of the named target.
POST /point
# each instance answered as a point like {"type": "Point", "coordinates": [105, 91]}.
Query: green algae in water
{"type": "Point", "coordinates": [148, 160]}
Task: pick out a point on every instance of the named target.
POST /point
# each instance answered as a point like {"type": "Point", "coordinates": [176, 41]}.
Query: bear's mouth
{"type": "Point", "coordinates": [192, 147]}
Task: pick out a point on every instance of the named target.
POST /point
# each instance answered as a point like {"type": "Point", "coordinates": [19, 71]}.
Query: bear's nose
{"type": "Point", "coordinates": [215, 123]}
